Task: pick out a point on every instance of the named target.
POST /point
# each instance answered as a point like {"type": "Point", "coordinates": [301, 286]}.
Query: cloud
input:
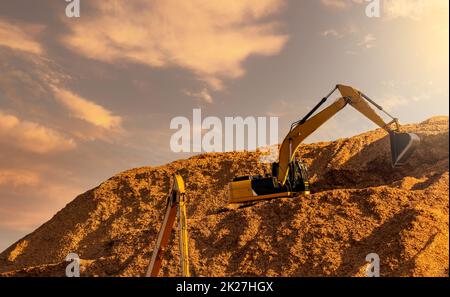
{"type": "Point", "coordinates": [394, 95]}
{"type": "Point", "coordinates": [342, 32]}
{"type": "Point", "coordinates": [27, 206]}
{"type": "Point", "coordinates": [280, 108]}
{"type": "Point", "coordinates": [340, 4]}
{"type": "Point", "coordinates": [391, 102]}
{"type": "Point", "coordinates": [17, 178]}
{"type": "Point", "coordinates": [31, 136]}
{"type": "Point", "coordinates": [86, 110]}
{"type": "Point", "coordinates": [37, 82]}
{"type": "Point", "coordinates": [203, 95]}
{"type": "Point", "coordinates": [413, 9]}
{"type": "Point", "coordinates": [20, 37]}
{"type": "Point", "coordinates": [211, 38]}
{"type": "Point", "coordinates": [368, 41]}
{"type": "Point", "coordinates": [332, 33]}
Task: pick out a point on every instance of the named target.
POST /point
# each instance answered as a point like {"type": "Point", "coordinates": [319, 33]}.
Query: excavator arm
{"type": "Point", "coordinates": [401, 143]}
{"type": "Point", "coordinates": [176, 204]}
{"type": "Point", "coordinates": [296, 136]}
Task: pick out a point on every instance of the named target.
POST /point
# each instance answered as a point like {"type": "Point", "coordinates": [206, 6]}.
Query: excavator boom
{"type": "Point", "coordinates": [176, 204]}
{"type": "Point", "coordinates": [296, 136]}
{"type": "Point", "coordinates": [402, 144]}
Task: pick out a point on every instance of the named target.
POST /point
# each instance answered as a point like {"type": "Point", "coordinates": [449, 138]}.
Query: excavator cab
{"type": "Point", "coordinates": [257, 187]}
{"type": "Point", "coordinates": [298, 178]}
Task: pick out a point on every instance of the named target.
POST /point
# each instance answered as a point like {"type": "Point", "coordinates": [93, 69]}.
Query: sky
{"type": "Point", "coordinates": [82, 99]}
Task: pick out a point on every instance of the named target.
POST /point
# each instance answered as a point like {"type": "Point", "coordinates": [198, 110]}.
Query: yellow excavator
{"type": "Point", "coordinates": [175, 206]}
{"type": "Point", "coordinates": [289, 177]}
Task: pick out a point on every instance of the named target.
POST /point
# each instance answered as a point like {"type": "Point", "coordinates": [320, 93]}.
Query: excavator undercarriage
{"type": "Point", "coordinates": [289, 177]}
{"type": "Point", "coordinates": [252, 188]}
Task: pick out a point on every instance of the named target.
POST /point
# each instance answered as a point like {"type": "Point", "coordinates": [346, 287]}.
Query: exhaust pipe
{"type": "Point", "coordinates": [402, 147]}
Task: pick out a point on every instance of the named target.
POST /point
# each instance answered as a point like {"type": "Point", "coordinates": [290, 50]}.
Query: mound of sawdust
{"type": "Point", "coordinates": [360, 205]}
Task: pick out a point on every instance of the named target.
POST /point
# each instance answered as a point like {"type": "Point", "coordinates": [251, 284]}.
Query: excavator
{"type": "Point", "coordinates": [289, 177]}
{"type": "Point", "coordinates": [175, 206]}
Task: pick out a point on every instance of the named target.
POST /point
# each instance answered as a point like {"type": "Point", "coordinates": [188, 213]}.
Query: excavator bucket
{"type": "Point", "coordinates": [402, 147]}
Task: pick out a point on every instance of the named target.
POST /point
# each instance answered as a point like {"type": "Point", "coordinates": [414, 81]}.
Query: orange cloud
{"type": "Point", "coordinates": [203, 95]}
{"type": "Point", "coordinates": [211, 38]}
{"type": "Point", "coordinates": [20, 37]}
{"type": "Point", "coordinates": [16, 178]}
{"type": "Point", "coordinates": [340, 4]}
{"type": "Point", "coordinates": [29, 197]}
{"type": "Point", "coordinates": [31, 136]}
{"type": "Point", "coordinates": [413, 9]}
{"type": "Point", "coordinates": [86, 110]}
{"type": "Point", "coordinates": [46, 199]}
{"type": "Point", "coordinates": [368, 41]}
{"type": "Point", "coordinates": [332, 33]}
